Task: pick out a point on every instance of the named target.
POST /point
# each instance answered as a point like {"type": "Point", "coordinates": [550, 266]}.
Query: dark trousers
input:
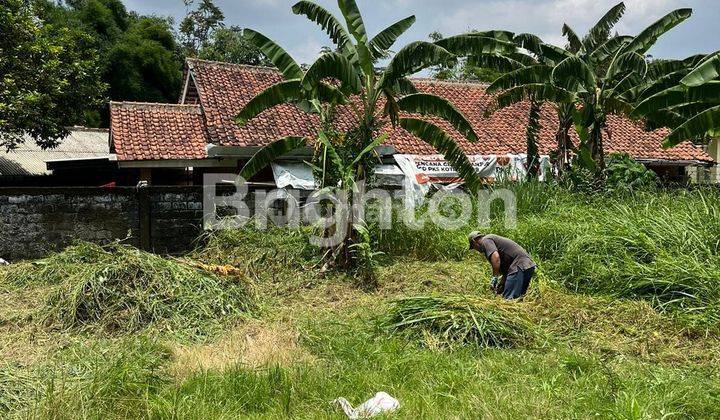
{"type": "Point", "coordinates": [516, 284]}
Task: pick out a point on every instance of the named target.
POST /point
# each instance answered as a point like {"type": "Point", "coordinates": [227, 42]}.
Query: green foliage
{"type": "Point", "coordinates": [652, 246]}
{"type": "Point", "coordinates": [228, 45]}
{"type": "Point", "coordinates": [598, 75]}
{"type": "Point", "coordinates": [344, 159]}
{"type": "Point", "coordinates": [684, 100]}
{"type": "Point", "coordinates": [276, 54]}
{"type": "Point", "coordinates": [143, 65]}
{"type": "Point", "coordinates": [463, 69]}
{"type": "Point", "coordinates": [138, 56]}
{"type": "Point", "coordinates": [624, 174]}
{"type": "Point", "coordinates": [366, 258]}
{"type": "Point", "coordinates": [599, 351]}
{"type": "Point", "coordinates": [50, 77]}
{"type": "Point", "coordinates": [200, 25]}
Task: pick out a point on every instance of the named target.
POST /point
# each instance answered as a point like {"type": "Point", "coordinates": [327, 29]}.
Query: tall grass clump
{"type": "Point", "coordinates": [662, 247]}
{"type": "Point", "coordinates": [103, 379]}
{"type": "Point", "coordinates": [272, 251]}
{"type": "Point", "coordinates": [449, 321]}
{"type": "Point", "coordinates": [426, 240]}
{"type": "Point", "coordinates": [119, 289]}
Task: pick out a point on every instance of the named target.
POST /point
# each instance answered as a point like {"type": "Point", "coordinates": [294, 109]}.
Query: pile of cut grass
{"type": "Point", "coordinates": [449, 321]}
{"type": "Point", "coordinates": [120, 289]}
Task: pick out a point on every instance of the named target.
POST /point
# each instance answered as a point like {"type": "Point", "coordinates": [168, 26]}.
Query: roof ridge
{"type": "Point", "coordinates": [275, 70]}
{"type": "Point", "coordinates": [226, 64]}
{"type": "Point", "coordinates": [156, 105]}
{"type": "Point", "coordinates": [75, 128]}
{"type": "Point", "coordinates": [449, 82]}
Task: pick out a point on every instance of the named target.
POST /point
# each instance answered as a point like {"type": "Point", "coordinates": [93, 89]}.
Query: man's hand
{"type": "Point", "coordinates": [494, 282]}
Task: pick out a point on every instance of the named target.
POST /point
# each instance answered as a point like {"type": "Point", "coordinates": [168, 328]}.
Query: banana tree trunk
{"type": "Point", "coordinates": [595, 144]}
{"type": "Point", "coordinates": [531, 135]}
{"type": "Point", "coordinates": [563, 141]}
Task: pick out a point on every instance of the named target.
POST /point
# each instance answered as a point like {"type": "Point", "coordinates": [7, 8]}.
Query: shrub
{"type": "Point", "coordinates": [660, 247]}
{"type": "Point", "coordinates": [622, 174]}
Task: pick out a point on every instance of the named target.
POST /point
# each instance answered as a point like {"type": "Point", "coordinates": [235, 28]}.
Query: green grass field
{"type": "Point", "coordinates": [621, 322]}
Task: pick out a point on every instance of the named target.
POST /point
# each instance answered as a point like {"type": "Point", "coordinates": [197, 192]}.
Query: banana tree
{"type": "Point", "coordinates": [526, 77]}
{"type": "Point", "coordinates": [690, 107]}
{"type": "Point", "coordinates": [347, 81]}
{"type": "Point", "coordinates": [600, 70]}
{"type": "Point", "coordinates": [590, 78]}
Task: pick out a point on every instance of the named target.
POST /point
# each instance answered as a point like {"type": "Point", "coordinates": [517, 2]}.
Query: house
{"type": "Point", "coordinates": [171, 143]}
{"type": "Point", "coordinates": [85, 151]}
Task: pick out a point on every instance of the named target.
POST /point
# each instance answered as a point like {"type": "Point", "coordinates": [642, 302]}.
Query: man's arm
{"type": "Point", "coordinates": [495, 263]}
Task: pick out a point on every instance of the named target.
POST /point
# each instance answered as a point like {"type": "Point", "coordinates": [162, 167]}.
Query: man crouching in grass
{"type": "Point", "coordinates": [509, 260]}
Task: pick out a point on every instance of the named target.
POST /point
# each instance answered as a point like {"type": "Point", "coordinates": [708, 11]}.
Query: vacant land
{"type": "Point", "coordinates": [621, 322]}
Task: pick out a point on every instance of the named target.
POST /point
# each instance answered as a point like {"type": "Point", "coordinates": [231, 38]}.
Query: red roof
{"type": "Point", "coordinates": [145, 131]}
{"type": "Point", "coordinates": [225, 88]}
{"type": "Point", "coordinates": [141, 131]}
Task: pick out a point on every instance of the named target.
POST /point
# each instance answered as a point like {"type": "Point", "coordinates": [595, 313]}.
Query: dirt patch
{"type": "Point", "coordinates": [253, 346]}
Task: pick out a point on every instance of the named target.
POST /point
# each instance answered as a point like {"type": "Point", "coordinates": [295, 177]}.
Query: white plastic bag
{"type": "Point", "coordinates": [382, 402]}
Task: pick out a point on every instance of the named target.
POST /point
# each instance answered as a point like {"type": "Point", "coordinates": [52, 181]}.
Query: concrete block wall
{"type": "Point", "coordinates": [35, 221]}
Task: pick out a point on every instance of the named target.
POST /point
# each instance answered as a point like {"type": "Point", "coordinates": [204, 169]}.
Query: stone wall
{"type": "Point", "coordinates": [36, 221]}
{"type": "Point", "coordinates": [176, 219]}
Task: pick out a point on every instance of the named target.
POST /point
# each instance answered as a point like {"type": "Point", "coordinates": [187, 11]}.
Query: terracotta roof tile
{"type": "Point", "coordinates": [225, 88]}
{"type": "Point", "coordinates": [141, 131]}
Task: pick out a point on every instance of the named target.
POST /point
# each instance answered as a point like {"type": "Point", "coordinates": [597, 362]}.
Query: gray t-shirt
{"type": "Point", "coordinates": [512, 256]}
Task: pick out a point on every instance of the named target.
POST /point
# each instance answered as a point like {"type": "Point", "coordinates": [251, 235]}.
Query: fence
{"type": "Point", "coordinates": [36, 221]}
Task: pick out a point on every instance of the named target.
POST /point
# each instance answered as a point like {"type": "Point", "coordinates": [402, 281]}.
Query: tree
{"type": "Point", "coordinates": [600, 69]}
{"type": "Point", "coordinates": [525, 76]}
{"type": "Point", "coordinates": [591, 77]}
{"type": "Point", "coordinates": [143, 65]}
{"type": "Point", "coordinates": [199, 26]}
{"type": "Point", "coordinates": [372, 97]}
{"type": "Point", "coordinates": [138, 55]}
{"type": "Point", "coordinates": [228, 45]}
{"type": "Point", "coordinates": [462, 70]}
{"type": "Point", "coordinates": [50, 77]}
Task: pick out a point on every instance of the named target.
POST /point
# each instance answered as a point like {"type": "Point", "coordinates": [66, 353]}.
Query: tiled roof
{"type": "Point", "coordinates": [30, 159]}
{"type": "Point", "coordinates": [142, 131]}
{"type": "Point", "coordinates": [225, 88]}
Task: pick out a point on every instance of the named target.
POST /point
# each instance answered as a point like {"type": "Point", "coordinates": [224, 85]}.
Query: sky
{"type": "Point", "coordinates": [303, 39]}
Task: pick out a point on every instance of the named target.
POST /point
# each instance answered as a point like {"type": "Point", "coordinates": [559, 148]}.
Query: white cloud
{"type": "Point", "coordinates": [306, 52]}
{"type": "Point", "coordinates": [545, 18]}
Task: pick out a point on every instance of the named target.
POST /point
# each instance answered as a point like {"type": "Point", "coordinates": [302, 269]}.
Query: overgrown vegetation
{"type": "Point", "coordinates": [610, 326]}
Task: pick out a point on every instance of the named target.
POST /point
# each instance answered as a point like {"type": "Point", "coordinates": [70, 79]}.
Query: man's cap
{"type": "Point", "coordinates": [472, 236]}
